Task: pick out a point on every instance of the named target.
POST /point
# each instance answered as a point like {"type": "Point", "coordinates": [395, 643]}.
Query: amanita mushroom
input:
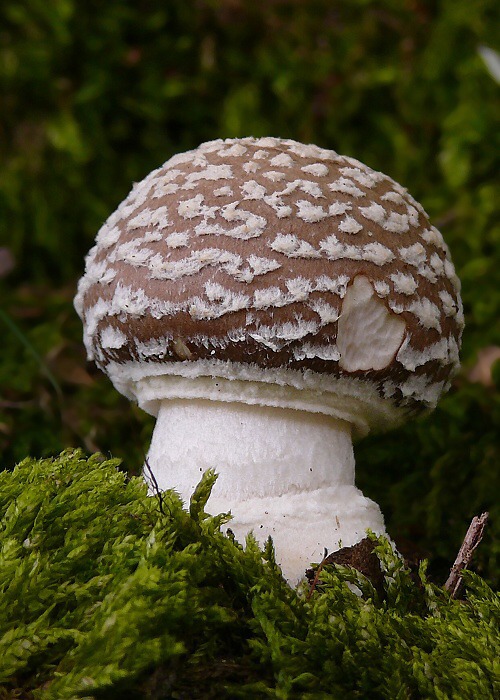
{"type": "Point", "coordinates": [267, 301]}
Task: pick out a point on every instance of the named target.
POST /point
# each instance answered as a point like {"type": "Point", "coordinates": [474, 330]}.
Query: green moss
{"type": "Point", "coordinates": [106, 591]}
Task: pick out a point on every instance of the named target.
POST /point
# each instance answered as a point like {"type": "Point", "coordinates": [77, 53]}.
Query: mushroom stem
{"type": "Point", "coordinates": [282, 472]}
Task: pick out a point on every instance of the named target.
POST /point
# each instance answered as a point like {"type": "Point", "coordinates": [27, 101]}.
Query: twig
{"type": "Point", "coordinates": [154, 485]}
{"type": "Point", "coordinates": [316, 576]}
{"type": "Point", "coordinates": [471, 541]}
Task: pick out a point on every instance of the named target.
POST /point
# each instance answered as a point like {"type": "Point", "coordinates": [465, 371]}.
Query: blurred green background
{"type": "Point", "coordinates": [95, 95]}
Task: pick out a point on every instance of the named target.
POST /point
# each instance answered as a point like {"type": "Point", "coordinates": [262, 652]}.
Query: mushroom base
{"type": "Point", "coordinates": [282, 472]}
{"type": "Point", "coordinates": [304, 525]}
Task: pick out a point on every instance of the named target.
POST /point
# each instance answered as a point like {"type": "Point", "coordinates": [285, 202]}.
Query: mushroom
{"type": "Point", "coordinates": [268, 302]}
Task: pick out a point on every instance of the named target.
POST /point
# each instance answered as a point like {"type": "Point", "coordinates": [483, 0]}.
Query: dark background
{"type": "Point", "coordinates": [94, 95]}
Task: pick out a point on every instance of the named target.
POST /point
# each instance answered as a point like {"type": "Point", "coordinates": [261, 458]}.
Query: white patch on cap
{"type": "Point", "coordinates": [226, 302]}
{"type": "Point", "coordinates": [230, 212]}
{"type": "Point", "coordinates": [350, 225]}
{"type": "Point", "coordinates": [336, 285]}
{"type": "Point", "coordinates": [269, 142]}
{"type": "Point", "coordinates": [459, 318]}
{"type": "Point", "coordinates": [377, 176]}
{"type": "Point", "coordinates": [450, 307]}
{"type": "Point", "coordinates": [107, 236]}
{"type": "Point", "coordinates": [171, 188]}
{"type": "Point", "coordinates": [199, 159]}
{"type": "Point", "coordinates": [333, 247]}
{"type": "Point", "coordinates": [283, 212]}
{"type": "Point", "coordinates": [236, 150]}
{"type": "Point", "coordinates": [449, 271]}
{"type": "Point", "coordinates": [290, 187]}
{"type": "Point", "coordinates": [140, 220]}
{"type": "Point", "coordinates": [433, 237]}
{"type": "Point", "coordinates": [299, 288]}
{"type": "Point", "coordinates": [392, 196]}
{"type": "Point", "coordinates": [339, 208]}
{"type": "Point", "coordinates": [445, 351]}
{"type": "Point", "coordinates": [293, 247]}
{"type": "Point", "coordinates": [414, 255]}
{"type": "Point", "coordinates": [153, 236]}
{"type": "Point", "coordinates": [252, 190]}
{"type": "Point", "coordinates": [263, 298]}
{"type": "Point", "coordinates": [225, 191]}
{"type": "Point", "coordinates": [211, 172]}
{"type": "Point", "coordinates": [322, 352]}
{"type": "Point", "coordinates": [346, 186]}
{"type": "Point", "coordinates": [369, 335]}
{"type": "Point", "coordinates": [215, 291]}
{"type": "Point", "coordinates": [231, 264]}
{"type": "Point", "coordinates": [159, 218]}
{"type": "Point", "coordinates": [169, 175]}
{"type": "Point", "coordinates": [437, 264]}
{"type": "Point", "coordinates": [262, 266]}
{"type": "Point", "coordinates": [421, 388]}
{"type": "Point", "coordinates": [426, 271]}
{"type": "Point", "coordinates": [427, 313]}
{"type": "Point", "coordinates": [375, 212]}
{"type": "Point", "coordinates": [177, 239]}
{"type": "Point", "coordinates": [156, 347]}
{"type": "Point", "coordinates": [128, 300]}
{"type": "Point", "coordinates": [283, 160]}
{"type": "Point", "coordinates": [318, 169]}
{"type": "Point", "coordinates": [395, 306]}
{"type": "Point", "coordinates": [180, 159]}
{"type": "Point", "coordinates": [296, 331]}
{"type": "Point", "coordinates": [310, 213]}
{"type": "Point", "coordinates": [274, 175]}
{"type": "Point", "coordinates": [131, 253]}
{"type": "Point", "coordinates": [412, 214]}
{"type": "Point", "coordinates": [252, 227]}
{"type": "Point", "coordinates": [377, 253]}
{"type": "Point", "coordinates": [326, 312]}
{"type": "Point", "coordinates": [191, 208]}
{"type": "Point", "coordinates": [107, 276]}
{"type": "Point", "coordinates": [311, 188]}
{"type": "Point", "coordinates": [404, 283]}
{"type": "Point", "coordinates": [396, 223]}
{"type": "Point", "coordinates": [276, 203]}
{"type": "Point", "coordinates": [197, 260]}
{"type": "Point", "coordinates": [311, 151]}
{"type": "Point", "coordinates": [362, 177]}
{"type": "Point", "coordinates": [382, 288]}
{"type": "Point", "coordinates": [112, 338]}
{"type": "Point", "coordinates": [372, 252]}
{"type": "Point", "coordinates": [250, 167]}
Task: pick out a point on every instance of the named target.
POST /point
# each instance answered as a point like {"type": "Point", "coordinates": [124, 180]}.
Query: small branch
{"type": "Point", "coordinates": [154, 484]}
{"type": "Point", "coordinates": [317, 575]}
{"type": "Point", "coordinates": [471, 541]}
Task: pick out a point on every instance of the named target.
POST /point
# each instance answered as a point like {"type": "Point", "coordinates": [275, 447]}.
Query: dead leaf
{"type": "Point", "coordinates": [481, 372]}
{"type": "Point", "coordinates": [7, 262]}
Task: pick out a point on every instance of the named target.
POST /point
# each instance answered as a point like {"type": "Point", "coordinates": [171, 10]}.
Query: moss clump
{"type": "Point", "coordinates": [107, 593]}
{"type": "Point", "coordinates": [97, 94]}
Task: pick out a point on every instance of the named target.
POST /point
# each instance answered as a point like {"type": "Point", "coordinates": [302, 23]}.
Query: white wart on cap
{"type": "Point", "coordinates": [265, 272]}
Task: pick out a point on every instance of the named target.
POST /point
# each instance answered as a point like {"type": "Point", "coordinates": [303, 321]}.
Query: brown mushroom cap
{"type": "Point", "coordinates": [234, 259]}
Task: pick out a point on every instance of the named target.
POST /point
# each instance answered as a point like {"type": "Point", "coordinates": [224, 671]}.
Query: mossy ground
{"type": "Point", "coordinates": [109, 593]}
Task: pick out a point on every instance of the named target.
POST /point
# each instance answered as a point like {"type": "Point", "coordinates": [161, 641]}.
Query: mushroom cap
{"type": "Point", "coordinates": [268, 271]}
